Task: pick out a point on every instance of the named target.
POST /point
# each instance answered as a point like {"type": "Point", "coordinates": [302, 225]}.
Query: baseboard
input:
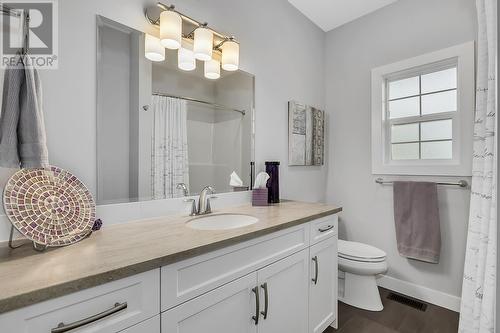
{"type": "Point", "coordinates": [419, 292]}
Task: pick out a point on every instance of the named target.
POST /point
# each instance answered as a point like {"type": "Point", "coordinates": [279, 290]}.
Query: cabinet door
{"type": "Point", "coordinates": [286, 285]}
{"type": "Point", "coordinates": [323, 285]}
{"type": "Point", "coordinates": [227, 309]}
{"type": "Point", "coordinates": [149, 326]}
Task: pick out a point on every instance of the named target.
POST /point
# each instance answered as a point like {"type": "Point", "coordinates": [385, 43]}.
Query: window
{"type": "Point", "coordinates": [422, 114]}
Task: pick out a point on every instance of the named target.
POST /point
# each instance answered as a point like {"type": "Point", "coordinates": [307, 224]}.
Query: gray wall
{"type": "Point", "coordinates": [284, 50]}
{"type": "Point", "coordinates": [405, 29]}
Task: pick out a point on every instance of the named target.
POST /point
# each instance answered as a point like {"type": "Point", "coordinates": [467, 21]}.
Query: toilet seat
{"type": "Point", "coordinates": [360, 252]}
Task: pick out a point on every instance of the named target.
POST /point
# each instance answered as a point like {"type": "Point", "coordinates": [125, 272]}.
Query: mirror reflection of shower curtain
{"type": "Point", "coordinates": [169, 160]}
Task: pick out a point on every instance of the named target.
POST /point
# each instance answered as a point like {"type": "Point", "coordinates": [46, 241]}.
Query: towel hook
{"type": "Point", "coordinates": [26, 28]}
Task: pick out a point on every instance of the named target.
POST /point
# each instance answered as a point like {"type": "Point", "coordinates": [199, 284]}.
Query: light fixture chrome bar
{"type": "Point", "coordinates": [218, 106]}
{"type": "Point", "coordinates": [190, 20]}
{"type": "Point", "coordinates": [461, 183]}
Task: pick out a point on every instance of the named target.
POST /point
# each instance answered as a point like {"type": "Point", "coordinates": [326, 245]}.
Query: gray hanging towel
{"type": "Point", "coordinates": [22, 127]}
{"type": "Point", "coordinates": [416, 215]}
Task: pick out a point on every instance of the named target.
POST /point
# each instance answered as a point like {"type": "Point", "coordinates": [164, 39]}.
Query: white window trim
{"type": "Point", "coordinates": [463, 123]}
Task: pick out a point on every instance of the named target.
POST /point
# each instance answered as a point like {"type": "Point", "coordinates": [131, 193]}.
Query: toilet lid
{"type": "Point", "coordinates": [359, 251]}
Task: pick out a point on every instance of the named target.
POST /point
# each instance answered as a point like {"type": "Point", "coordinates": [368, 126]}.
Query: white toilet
{"type": "Point", "coordinates": [361, 263]}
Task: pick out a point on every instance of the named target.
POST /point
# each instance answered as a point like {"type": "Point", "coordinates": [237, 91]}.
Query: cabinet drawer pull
{"type": "Point", "coordinates": [266, 300]}
{"type": "Point", "coordinates": [257, 305]}
{"type": "Point", "coordinates": [325, 229]}
{"type": "Point", "coordinates": [62, 327]}
{"type": "Point", "coordinates": [316, 268]}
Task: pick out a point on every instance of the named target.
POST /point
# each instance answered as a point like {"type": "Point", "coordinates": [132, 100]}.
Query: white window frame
{"type": "Point", "coordinates": [463, 119]}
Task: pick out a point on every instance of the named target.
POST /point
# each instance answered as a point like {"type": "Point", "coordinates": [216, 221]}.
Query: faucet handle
{"type": "Point", "coordinates": [209, 208]}
{"type": "Point", "coordinates": [194, 211]}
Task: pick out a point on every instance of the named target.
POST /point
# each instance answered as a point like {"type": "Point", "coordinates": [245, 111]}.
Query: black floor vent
{"type": "Point", "coordinates": [407, 301]}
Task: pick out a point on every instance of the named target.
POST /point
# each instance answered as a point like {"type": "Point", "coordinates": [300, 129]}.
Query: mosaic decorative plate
{"type": "Point", "coordinates": [49, 206]}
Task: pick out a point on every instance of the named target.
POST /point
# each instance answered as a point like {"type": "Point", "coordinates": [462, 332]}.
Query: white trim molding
{"type": "Point", "coordinates": [463, 120]}
{"type": "Point", "coordinates": [425, 294]}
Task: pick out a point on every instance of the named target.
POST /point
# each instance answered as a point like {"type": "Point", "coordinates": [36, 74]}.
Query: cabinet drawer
{"type": "Point", "coordinates": [187, 279]}
{"type": "Point", "coordinates": [108, 308]}
{"type": "Point", "coordinates": [149, 326]}
{"type": "Point", "coordinates": [323, 228]}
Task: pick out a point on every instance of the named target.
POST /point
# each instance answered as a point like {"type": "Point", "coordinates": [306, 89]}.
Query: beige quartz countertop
{"type": "Point", "coordinates": [118, 251]}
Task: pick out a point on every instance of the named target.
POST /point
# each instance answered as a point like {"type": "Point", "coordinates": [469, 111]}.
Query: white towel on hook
{"type": "Point", "coordinates": [22, 127]}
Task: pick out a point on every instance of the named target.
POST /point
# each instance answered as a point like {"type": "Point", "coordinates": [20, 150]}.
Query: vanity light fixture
{"type": "Point", "coordinates": [212, 69]}
{"type": "Point", "coordinates": [203, 43]}
{"type": "Point", "coordinates": [170, 29]}
{"type": "Point", "coordinates": [230, 55]}
{"type": "Point", "coordinates": [185, 59]}
{"type": "Point", "coordinates": [153, 49]}
{"type": "Point", "coordinates": [209, 45]}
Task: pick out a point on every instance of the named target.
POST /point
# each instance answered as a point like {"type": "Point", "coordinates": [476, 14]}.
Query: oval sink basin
{"type": "Point", "coordinates": [221, 221]}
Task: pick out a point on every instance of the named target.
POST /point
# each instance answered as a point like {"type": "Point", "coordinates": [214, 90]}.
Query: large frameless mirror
{"type": "Point", "coordinates": [163, 132]}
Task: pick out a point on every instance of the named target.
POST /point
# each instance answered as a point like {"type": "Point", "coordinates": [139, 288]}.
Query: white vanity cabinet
{"type": "Point", "coordinates": [226, 309]}
{"type": "Point", "coordinates": [271, 300]}
{"type": "Point", "coordinates": [284, 281]}
{"type": "Point", "coordinates": [149, 326]}
{"type": "Point", "coordinates": [322, 292]}
{"type": "Point", "coordinates": [217, 292]}
{"type": "Point", "coordinates": [108, 308]}
{"type": "Point", "coordinates": [285, 284]}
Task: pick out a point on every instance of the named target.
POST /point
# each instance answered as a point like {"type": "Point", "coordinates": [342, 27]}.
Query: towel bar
{"type": "Point", "coordinates": [461, 183]}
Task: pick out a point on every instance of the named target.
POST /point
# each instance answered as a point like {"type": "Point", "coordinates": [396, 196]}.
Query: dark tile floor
{"type": "Point", "coordinates": [395, 318]}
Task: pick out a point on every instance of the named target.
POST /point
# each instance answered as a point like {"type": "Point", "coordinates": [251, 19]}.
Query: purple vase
{"type": "Point", "coordinates": [273, 184]}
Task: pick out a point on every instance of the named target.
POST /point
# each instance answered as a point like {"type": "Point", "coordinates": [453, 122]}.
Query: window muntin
{"type": "Point", "coordinates": [421, 109]}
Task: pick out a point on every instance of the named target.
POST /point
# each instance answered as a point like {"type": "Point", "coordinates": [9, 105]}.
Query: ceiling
{"type": "Point", "coordinates": [330, 14]}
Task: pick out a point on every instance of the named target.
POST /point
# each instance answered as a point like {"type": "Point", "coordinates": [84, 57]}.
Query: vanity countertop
{"type": "Point", "coordinates": [118, 251]}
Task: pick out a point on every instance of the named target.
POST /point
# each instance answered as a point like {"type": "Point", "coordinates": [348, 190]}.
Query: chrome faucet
{"type": "Point", "coordinates": [183, 187]}
{"type": "Point", "coordinates": [204, 200]}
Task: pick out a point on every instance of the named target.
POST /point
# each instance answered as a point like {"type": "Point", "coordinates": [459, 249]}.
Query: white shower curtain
{"type": "Point", "coordinates": [477, 313]}
{"type": "Point", "coordinates": [169, 160]}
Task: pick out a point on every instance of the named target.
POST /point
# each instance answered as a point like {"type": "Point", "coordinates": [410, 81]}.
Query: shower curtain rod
{"type": "Point", "coordinates": [200, 101]}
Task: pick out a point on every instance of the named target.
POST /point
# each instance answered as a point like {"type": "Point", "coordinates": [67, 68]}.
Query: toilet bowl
{"type": "Point", "coordinates": [361, 263]}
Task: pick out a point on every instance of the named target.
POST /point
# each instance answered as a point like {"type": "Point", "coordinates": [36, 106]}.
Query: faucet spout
{"type": "Point", "coordinates": [203, 201]}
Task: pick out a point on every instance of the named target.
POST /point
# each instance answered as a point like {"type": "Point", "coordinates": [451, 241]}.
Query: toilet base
{"type": "Point", "coordinates": [361, 291]}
